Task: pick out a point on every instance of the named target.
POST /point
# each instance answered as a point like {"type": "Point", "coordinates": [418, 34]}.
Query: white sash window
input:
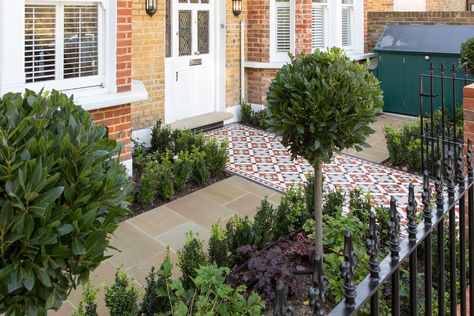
{"type": "Point", "coordinates": [62, 45]}
{"type": "Point", "coordinates": [347, 25]}
{"type": "Point", "coordinates": [282, 29]}
{"type": "Point", "coordinates": [319, 24]}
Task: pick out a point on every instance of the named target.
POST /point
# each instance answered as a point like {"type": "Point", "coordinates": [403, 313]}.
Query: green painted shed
{"type": "Point", "coordinates": [405, 52]}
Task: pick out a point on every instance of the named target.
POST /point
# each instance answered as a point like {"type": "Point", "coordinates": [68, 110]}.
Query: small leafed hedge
{"type": "Point", "coordinates": [404, 144]}
{"type": "Point", "coordinates": [62, 191]}
{"type": "Point", "coordinates": [175, 159]}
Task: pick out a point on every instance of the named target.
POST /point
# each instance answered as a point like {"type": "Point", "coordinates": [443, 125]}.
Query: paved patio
{"type": "Point", "coordinates": [143, 239]}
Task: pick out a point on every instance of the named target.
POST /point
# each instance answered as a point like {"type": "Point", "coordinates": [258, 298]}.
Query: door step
{"type": "Point", "coordinates": [203, 122]}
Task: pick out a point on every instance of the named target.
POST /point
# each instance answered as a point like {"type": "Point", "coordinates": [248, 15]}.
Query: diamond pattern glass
{"type": "Point", "coordinates": [203, 32]}
{"type": "Point", "coordinates": [185, 33]}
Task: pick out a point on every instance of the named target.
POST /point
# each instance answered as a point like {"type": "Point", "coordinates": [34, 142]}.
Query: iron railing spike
{"type": "Point", "coordinates": [373, 248]}
{"type": "Point", "coordinates": [439, 188]}
{"type": "Point", "coordinates": [394, 230]}
{"type": "Point", "coordinates": [281, 302]}
{"type": "Point", "coordinates": [450, 174]}
{"type": "Point", "coordinates": [348, 267]}
{"type": "Point", "coordinates": [318, 292]}
{"type": "Point", "coordinates": [460, 168]}
{"type": "Point", "coordinates": [426, 198]}
{"type": "Point", "coordinates": [470, 169]}
{"type": "Point", "coordinates": [411, 209]}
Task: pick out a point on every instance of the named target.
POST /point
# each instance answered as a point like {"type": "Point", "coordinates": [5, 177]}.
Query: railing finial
{"type": "Point", "coordinates": [411, 210]}
{"type": "Point", "coordinates": [426, 197]}
{"type": "Point", "coordinates": [373, 248]}
{"type": "Point", "coordinates": [318, 292]}
{"type": "Point", "coordinates": [348, 267]}
{"type": "Point", "coordinates": [281, 303]}
{"type": "Point", "coordinates": [394, 229]}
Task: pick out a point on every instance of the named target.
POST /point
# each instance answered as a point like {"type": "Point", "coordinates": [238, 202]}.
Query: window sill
{"type": "Point", "coordinates": [264, 65]}
{"type": "Point", "coordinates": [99, 99]}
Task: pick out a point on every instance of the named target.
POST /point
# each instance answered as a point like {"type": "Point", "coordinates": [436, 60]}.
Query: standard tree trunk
{"type": "Point", "coordinates": [318, 207]}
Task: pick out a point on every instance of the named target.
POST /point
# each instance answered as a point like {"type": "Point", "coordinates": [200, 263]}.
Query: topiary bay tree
{"type": "Point", "coordinates": [62, 192]}
{"type": "Point", "coordinates": [467, 55]}
{"type": "Point", "coordinates": [321, 104]}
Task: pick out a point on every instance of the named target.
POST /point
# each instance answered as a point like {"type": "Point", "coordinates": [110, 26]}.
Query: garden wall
{"type": "Point", "coordinates": [377, 21]}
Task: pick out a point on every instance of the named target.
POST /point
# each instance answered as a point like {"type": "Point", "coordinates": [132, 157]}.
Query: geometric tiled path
{"type": "Point", "coordinates": [260, 157]}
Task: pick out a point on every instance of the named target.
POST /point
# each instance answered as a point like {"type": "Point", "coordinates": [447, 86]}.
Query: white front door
{"type": "Point", "coordinates": [193, 84]}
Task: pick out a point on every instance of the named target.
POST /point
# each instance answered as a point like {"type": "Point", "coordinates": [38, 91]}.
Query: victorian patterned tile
{"type": "Point", "coordinates": [259, 156]}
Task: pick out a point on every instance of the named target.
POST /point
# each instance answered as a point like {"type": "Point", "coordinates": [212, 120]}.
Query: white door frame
{"type": "Point", "coordinates": [219, 75]}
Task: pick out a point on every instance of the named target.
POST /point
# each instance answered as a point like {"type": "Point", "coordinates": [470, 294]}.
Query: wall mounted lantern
{"type": "Point", "coordinates": [237, 7]}
{"type": "Point", "coordinates": [151, 7]}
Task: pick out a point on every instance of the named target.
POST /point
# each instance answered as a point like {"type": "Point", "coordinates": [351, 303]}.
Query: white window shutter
{"type": "Point", "coordinates": [283, 26]}
{"type": "Point", "coordinates": [40, 42]}
{"type": "Point", "coordinates": [81, 45]}
{"type": "Point", "coordinates": [318, 26]}
{"type": "Point", "coordinates": [346, 26]}
{"type": "Point", "coordinates": [61, 41]}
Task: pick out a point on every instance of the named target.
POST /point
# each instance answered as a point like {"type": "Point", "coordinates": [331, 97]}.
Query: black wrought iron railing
{"type": "Point", "coordinates": [441, 120]}
{"type": "Point", "coordinates": [445, 208]}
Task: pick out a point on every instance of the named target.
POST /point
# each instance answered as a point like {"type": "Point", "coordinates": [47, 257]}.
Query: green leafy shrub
{"type": "Point", "coordinates": [121, 298]}
{"type": "Point", "coordinates": [190, 258]}
{"type": "Point", "coordinates": [360, 204]}
{"type": "Point", "coordinates": [467, 55]}
{"type": "Point", "coordinates": [139, 153]}
{"type": "Point", "coordinates": [186, 140]}
{"type": "Point", "coordinates": [239, 233]}
{"type": "Point", "coordinates": [62, 191]}
{"type": "Point", "coordinates": [254, 118]}
{"type": "Point", "coordinates": [87, 306]}
{"type": "Point", "coordinates": [210, 295]}
{"type": "Point", "coordinates": [161, 137]}
{"type": "Point", "coordinates": [182, 169]}
{"type": "Point", "coordinates": [149, 182]}
{"type": "Point", "coordinates": [165, 179]}
{"type": "Point", "coordinates": [218, 246]}
{"type": "Point", "coordinates": [404, 144]}
{"type": "Point", "coordinates": [334, 203]}
{"type": "Point", "coordinates": [201, 172]}
{"type": "Point", "coordinates": [263, 224]}
{"type": "Point", "coordinates": [291, 213]}
{"type": "Point", "coordinates": [383, 217]}
{"type": "Point", "coordinates": [155, 300]}
{"type": "Point", "coordinates": [216, 156]}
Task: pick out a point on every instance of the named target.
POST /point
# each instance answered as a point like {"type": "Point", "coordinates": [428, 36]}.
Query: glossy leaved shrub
{"type": "Point", "coordinates": [62, 191]}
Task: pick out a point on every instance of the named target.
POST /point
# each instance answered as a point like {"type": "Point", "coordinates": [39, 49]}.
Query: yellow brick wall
{"type": "Point", "coordinates": [233, 53]}
{"type": "Point", "coordinates": [379, 5]}
{"type": "Point", "coordinates": [148, 57]}
{"type": "Point", "coordinates": [454, 5]}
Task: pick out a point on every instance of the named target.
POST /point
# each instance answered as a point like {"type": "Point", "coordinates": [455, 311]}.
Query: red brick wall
{"type": "Point", "coordinates": [258, 81]}
{"type": "Point", "coordinates": [468, 105]}
{"type": "Point", "coordinates": [124, 45]}
{"type": "Point", "coordinates": [258, 30]}
{"type": "Point", "coordinates": [303, 17]}
{"type": "Point", "coordinates": [118, 119]}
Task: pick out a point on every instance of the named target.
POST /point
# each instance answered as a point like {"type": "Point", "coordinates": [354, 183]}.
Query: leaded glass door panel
{"type": "Point", "coordinates": [193, 58]}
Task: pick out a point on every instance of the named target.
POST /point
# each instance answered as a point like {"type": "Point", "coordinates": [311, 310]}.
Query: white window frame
{"type": "Point", "coordinates": [12, 49]}
{"type": "Point", "coordinates": [325, 7]}
{"type": "Point", "coordinates": [276, 56]}
{"type": "Point", "coordinates": [351, 10]}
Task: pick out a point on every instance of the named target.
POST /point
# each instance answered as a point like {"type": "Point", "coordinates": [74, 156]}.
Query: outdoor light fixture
{"type": "Point", "coordinates": [237, 7]}
{"type": "Point", "coordinates": [151, 7]}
